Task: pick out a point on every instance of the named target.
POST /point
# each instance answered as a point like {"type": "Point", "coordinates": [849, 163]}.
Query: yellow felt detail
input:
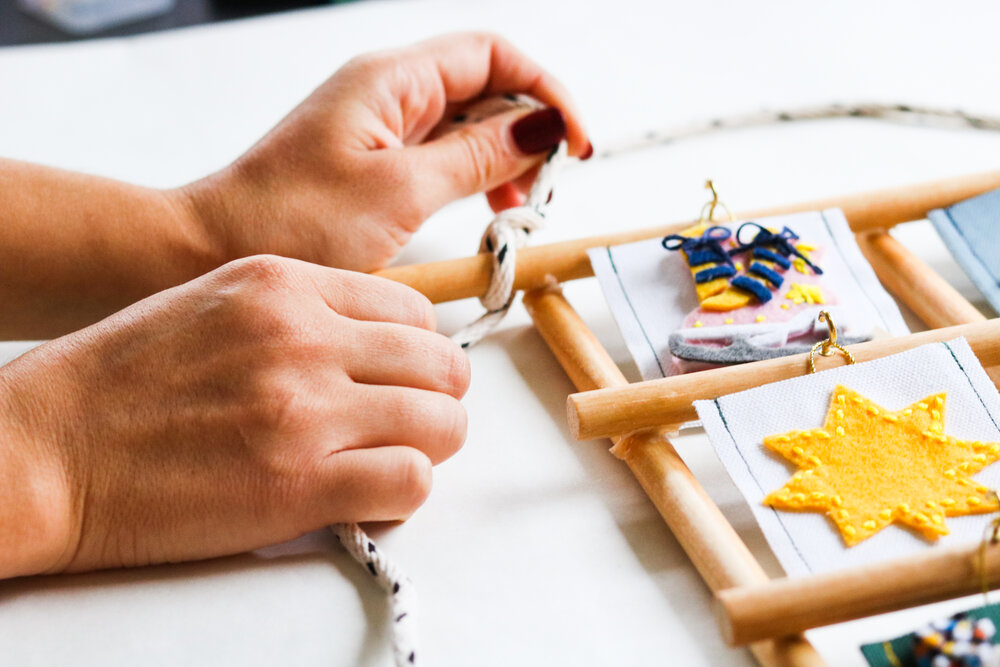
{"type": "Point", "coordinates": [712, 287]}
{"type": "Point", "coordinates": [799, 263]}
{"type": "Point", "coordinates": [731, 298]}
{"type": "Point", "coordinates": [800, 293]}
{"type": "Point", "coordinates": [869, 467]}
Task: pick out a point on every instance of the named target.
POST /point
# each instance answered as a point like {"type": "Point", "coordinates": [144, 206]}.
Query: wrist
{"type": "Point", "coordinates": [39, 513]}
{"type": "Point", "coordinates": [198, 210]}
{"type": "Point", "coordinates": [210, 208]}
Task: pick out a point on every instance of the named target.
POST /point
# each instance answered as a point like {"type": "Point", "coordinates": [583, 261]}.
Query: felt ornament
{"type": "Point", "coordinates": [868, 467]}
{"type": "Point", "coordinates": [655, 294]}
{"type": "Point", "coordinates": [961, 640]}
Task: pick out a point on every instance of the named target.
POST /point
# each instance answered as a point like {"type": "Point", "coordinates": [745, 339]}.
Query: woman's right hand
{"type": "Point", "coordinates": [263, 400]}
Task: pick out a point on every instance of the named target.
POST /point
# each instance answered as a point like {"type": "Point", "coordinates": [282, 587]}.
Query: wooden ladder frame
{"type": "Point", "coordinates": [769, 615]}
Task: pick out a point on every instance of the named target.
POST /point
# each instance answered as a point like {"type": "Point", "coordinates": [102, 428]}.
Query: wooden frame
{"type": "Point", "coordinates": [751, 608]}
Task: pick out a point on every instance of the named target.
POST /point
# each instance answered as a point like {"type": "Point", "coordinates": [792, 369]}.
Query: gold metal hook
{"type": "Point", "coordinates": [991, 535]}
{"type": "Point", "coordinates": [712, 205]}
{"type": "Point", "coordinates": [831, 327]}
{"type": "Point", "coordinates": [827, 346]}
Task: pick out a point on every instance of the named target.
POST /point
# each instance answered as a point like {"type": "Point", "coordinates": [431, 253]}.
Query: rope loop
{"type": "Point", "coordinates": [507, 232]}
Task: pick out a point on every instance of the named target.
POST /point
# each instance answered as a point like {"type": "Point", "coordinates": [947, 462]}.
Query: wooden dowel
{"type": "Point", "coordinates": [605, 412]}
{"type": "Point", "coordinates": [927, 294]}
{"type": "Point", "coordinates": [717, 552]}
{"type": "Point", "coordinates": [789, 606]}
{"type": "Point", "coordinates": [466, 277]}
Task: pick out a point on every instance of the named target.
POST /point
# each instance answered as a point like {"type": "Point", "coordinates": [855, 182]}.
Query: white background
{"type": "Point", "coordinates": [533, 549]}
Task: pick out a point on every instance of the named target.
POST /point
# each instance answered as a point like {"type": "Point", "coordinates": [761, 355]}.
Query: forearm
{"type": "Point", "coordinates": [75, 248]}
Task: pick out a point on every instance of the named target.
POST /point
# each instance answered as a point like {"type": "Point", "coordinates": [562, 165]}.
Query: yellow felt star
{"type": "Point", "coordinates": [868, 467]}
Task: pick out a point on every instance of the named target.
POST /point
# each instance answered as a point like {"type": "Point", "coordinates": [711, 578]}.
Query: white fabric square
{"type": "Point", "coordinates": [808, 542]}
{"type": "Point", "coordinates": [650, 290]}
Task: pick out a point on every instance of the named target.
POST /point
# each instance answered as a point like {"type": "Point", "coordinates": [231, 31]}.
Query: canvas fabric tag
{"type": "Point", "coordinates": [807, 542]}
{"type": "Point", "coordinates": [651, 291]}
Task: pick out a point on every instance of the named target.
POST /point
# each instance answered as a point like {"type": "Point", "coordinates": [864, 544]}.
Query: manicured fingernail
{"type": "Point", "coordinates": [588, 152]}
{"type": "Point", "coordinates": [539, 131]}
{"type": "Point", "coordinates": [549, 197]}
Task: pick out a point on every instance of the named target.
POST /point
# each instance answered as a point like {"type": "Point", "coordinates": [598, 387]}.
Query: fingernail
{"type": "Point", "coordinates": [588, 152]}
{"type": "Point", "coordinates": [539, 131]}
{"type": "Point", "coordinates": [549, 200]}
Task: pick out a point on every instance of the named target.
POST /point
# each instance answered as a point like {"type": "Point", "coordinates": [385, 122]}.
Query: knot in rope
{"type": "Point", "coordinates": [701, 249]}
{"type": "Point", "coordinates": [765, 240]}
{"type": "Point", "coordinates": [503, 236]}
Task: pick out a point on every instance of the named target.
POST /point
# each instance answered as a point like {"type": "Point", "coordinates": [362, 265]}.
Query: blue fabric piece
{"type": "Point", "coordinates": [713, 272]}
{"type": "Point", "coordinates": [971, 230]}
{"type": "Point", "coordinates": [701, 249]}
{"type": "Point", "coordinates": [765, 238]}
{"type": "Point", "coordinates": [770, 256]}
{"type": "Point", "coordinates": [766, 273]}
{"type": "Point", "coordinates": [754, 287]}
{"type": "Point", "coordinates": [705, 256]}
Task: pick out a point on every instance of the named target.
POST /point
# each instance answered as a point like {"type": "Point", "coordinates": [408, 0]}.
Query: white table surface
{"type": "Point", "coordinates": [533, 549]}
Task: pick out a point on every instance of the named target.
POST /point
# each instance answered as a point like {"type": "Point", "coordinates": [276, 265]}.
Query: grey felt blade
{"type": "Point", "coordinates": [741, 349]}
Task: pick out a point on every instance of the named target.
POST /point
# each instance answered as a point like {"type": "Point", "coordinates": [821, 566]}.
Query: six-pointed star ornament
{"type": "Point", "coordinates": [868, 467]}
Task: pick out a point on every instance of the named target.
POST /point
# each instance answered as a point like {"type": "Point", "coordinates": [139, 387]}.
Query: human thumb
{"type": "Point", "coordinates": [484, 155]}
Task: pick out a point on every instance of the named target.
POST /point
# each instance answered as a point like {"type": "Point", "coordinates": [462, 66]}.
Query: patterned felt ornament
{"type": "Point", "coordinates": [965, 639]}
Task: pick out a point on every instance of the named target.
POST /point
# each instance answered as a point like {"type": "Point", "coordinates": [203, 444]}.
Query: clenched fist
{"type": "Point", "coordinates": [263, 400]}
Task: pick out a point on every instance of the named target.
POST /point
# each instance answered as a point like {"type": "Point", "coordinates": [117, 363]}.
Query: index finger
{"type": "Point", "coordinates": [480, 64]}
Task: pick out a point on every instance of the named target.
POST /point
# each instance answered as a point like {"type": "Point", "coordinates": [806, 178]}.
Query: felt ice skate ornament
{"type": "Point", "coordinates": [760, 307]}
{"type": "Point", "coordinates": [767, 255]}
{"type": "Point", "coordinates": [961, 640]}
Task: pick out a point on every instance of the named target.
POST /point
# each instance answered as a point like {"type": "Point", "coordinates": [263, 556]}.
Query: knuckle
{"type": "Point", "coordinates": [481, 153]}
{"type": "Point", "coordinates": [263, 269]}
{"type": "Point", "coordinates": [416, 479]}
{"type": "Point", "coordinates": [456, 370]}
{"type": "Point", "coordinates": [371, 63]}
{"type": "Point", "coordinates": [419, 310]}
{"type": "Point", "coordinates": [456, 423]}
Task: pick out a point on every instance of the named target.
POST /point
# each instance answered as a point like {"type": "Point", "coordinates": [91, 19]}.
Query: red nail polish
{"type": "Point", "coordinates": [588, 152]}
{"type": "Point", "coordinates": [539, 131]}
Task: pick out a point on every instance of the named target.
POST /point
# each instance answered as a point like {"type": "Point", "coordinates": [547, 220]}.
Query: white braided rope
{"type": "Point", "coordinates": [503, 236]}
{"type": "Point", "coordinates": [397, 586]}
{"type": "Point", "coordinates": [509, 231]}
{"type": "Point", "coordinates": [905, 114]}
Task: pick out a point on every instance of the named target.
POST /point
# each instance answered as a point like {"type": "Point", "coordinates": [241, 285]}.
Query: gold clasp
{"type": "Point", "coordinates": [991, 535]}
{"type": "Point", "coordinates": [827, 346]}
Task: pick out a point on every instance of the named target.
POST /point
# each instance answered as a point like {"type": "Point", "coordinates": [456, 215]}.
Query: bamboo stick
{"type": "Point", "coordinates": [927, 294]}
{"type": "Point", "coordinates": [469, 276]}
{"type": "Point", "coordinates": [789, 606]}
{"type": "Point", "coordinates": [718, 553]}
{"type": "Point", "coordinates": [605, 412]}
